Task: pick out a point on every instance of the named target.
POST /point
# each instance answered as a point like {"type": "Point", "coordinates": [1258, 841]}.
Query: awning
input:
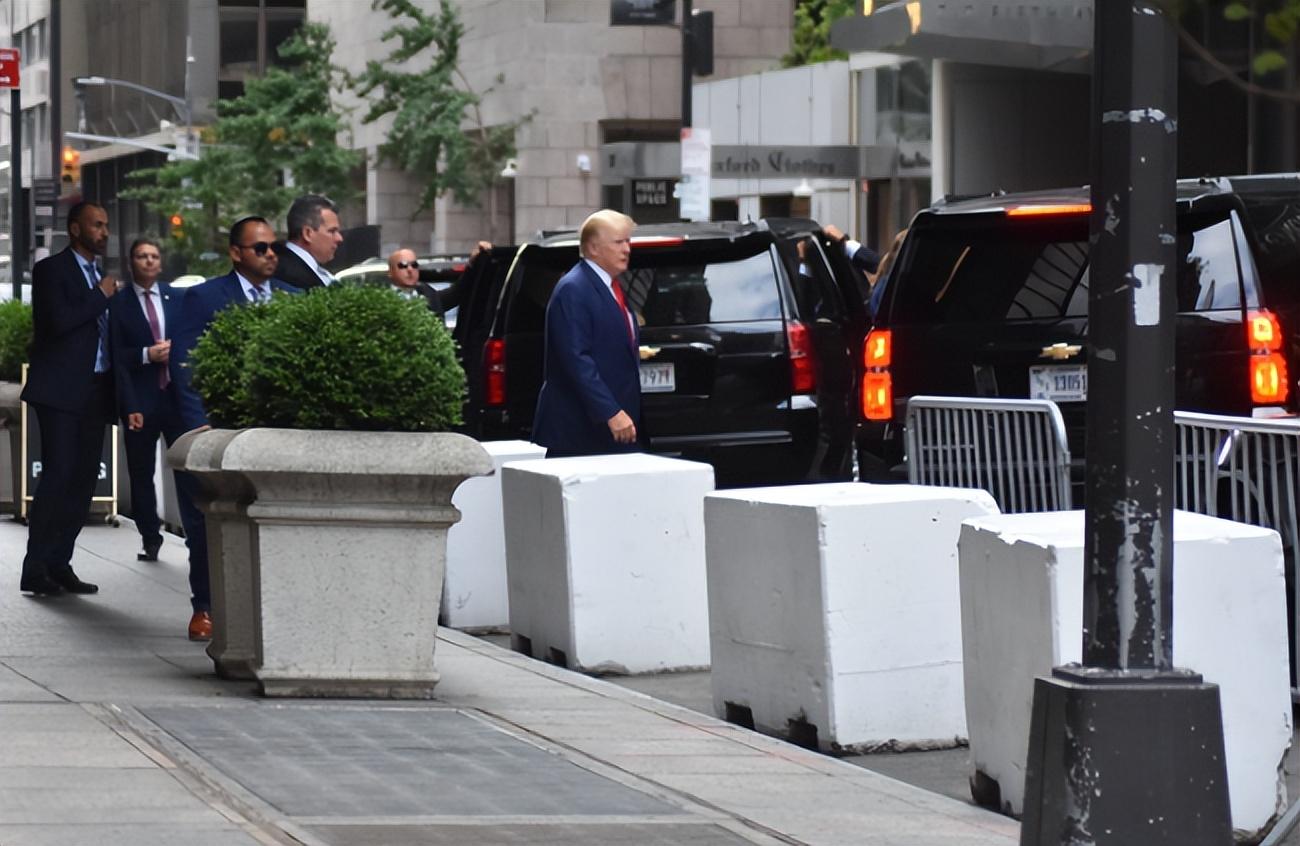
{"type": "Point", "coordinates": [1045, 36]}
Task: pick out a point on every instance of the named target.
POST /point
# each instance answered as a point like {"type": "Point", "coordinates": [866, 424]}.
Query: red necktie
{"type": "Point", "coordinates": [622, 305]}
{"type": "Point", "coordinates": [163, 377]}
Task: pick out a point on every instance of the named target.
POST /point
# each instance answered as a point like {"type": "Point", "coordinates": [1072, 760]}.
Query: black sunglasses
{"type": "Point", "coordinates": [402, 265]}
{"type": "Point", "coordinates": [260, 247]}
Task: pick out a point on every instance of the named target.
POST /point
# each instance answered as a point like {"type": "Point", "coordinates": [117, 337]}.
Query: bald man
{"type": "Point", "coordinates": [404, 274]}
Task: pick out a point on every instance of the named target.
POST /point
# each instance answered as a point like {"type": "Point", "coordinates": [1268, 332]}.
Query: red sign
{"type": "Point", "coordinates": [9, 60]}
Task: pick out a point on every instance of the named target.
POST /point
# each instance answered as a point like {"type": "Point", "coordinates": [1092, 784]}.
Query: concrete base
{"type": "Point", "coordinates": [1022, 615]}
{"type": "Point", "coordinates": [834, 614]}
{"type": "Point", "coordinates": [224, 498]}
{"type": "Point", "coordinates": [474, 595]}
{"type": "Point", "coordinates": [605, 559]}
{"type": "Point", "coordinates": [348, 546]}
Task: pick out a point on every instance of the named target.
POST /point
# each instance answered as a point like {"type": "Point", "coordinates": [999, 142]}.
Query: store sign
{"type": "Point", "coordinates": [642, 12]}
{"type": "Point", "coordinates": [743, 161]}
{"type": "Point", "coordinates": [9, 61]}
{"type": "Point", "coordinates": [693, 190]}
{"type": "Point", "coordinates": [651, 192]}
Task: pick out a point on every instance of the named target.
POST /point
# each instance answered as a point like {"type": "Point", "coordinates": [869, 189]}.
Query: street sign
{"type": "Point", "coordinates": [693, 190]}
{"type": "Point", "coordinates": [642, 12]}
{"type": "Point", "coordinates": [45, 191]}
{"type": "Point", "coordinates": [9, 61]}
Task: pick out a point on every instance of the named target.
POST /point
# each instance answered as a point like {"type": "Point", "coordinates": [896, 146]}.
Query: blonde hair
{"type": "Point", "coordinates": [598, 222]}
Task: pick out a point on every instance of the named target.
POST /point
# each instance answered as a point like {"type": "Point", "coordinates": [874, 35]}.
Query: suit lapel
{"type": "Point", "coordinates": [135, 312]}
{"type": "Point", "coordinates": [611, 304]}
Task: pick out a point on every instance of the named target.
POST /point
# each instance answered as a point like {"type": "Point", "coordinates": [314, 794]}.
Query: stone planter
{"type": "Point", "coordinates": [347, 535]}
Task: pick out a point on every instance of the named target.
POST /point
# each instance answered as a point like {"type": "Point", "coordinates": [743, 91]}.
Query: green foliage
{"type": "Point", "coordinates": [378, 362]}
{"type": "Point", "coordinates": [811, 39]}
{"type": "Point", "coordinates": [15, 338]}
{"type": "Point", "coordinates": [285, 122]}
{"type": "Point", "coordinates": [430, 107]}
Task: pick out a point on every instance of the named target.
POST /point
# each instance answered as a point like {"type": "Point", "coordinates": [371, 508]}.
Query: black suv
{"type": "Point", "coordinates": [989, 298]}
{"type": "Point", "coordinates": [752, 330]}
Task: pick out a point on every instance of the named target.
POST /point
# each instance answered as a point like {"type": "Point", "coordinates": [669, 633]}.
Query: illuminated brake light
{"type": "Point", "coordinates": [1268, 379]}
{"type": "Point", "coordinates": [803, 372]}
{"type": "Point", "coordinates": [1050, 210]}
{"type": "Point", "coordinates": [494, 372]}
{"type": "Point", "coordinates": [877, 382]}
{"type": "Point", "coordinates": [459, 267]}
{"type": "Point", "coordinates": [878, 351]}
{"type": "Point", "coordinates": [1263, 332]}
{"type": "Point", "coordinates": [658, 241]}
{"type": "Point", "coordinates": [878, 396]}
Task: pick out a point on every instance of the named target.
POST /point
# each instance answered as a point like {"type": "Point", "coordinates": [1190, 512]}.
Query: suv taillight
{"type": "Point", "coordinates": [877, 383]}
{"type": "Point", "coordinates": [494, 372]}
{"type": "Point", "coordinates": [803, 371]}
{"type": "Point", "coordinates": [1268, 373]}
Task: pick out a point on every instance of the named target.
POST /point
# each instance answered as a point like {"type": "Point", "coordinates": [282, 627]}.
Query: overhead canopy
{"type": "Point", "coordinates": [1046, 36]}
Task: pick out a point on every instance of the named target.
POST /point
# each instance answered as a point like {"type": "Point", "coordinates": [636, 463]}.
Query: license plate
{"type": "Point", "coordinates": [1068, 383]}
{"type": "Point", "coordinates": [658, 378]}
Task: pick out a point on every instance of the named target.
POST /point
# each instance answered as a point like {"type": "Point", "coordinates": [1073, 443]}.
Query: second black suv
{"type": "Point", "coordinates": [751, 331]}
{"type": "Point", "coordinates": [989, 298]}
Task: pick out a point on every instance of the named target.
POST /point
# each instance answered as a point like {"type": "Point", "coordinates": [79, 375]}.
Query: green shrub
{"type": "Point", "coordinates": [15, 338]}
{"type": "Point", "coordinates": [345, 357]}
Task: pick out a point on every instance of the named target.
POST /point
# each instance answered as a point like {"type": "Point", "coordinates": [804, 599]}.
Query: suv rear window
{"type": "Point", "coordinates": [995, 271]}
{"type": "Point", "coordinates": [690, 284]}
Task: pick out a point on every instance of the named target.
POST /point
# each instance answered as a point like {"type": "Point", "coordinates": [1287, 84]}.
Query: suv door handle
{"type": "Point", "coordinates": [695, 346]}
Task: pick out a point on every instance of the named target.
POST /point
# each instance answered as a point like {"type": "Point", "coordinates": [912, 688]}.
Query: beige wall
{"type": "Point", "coordinates": [563, 64]}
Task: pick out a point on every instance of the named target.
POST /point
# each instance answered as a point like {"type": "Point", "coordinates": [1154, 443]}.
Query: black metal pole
{"type": "Point", "coordinates": [688, 69]}
{"type": "Point", "coordinates": [1107, 738]}
{"type": "Point", "coordinates": [17, 231]}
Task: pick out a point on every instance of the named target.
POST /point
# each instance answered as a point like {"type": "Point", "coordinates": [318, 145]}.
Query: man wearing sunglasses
{"type": "Point", "coordinates": [249, 282]}
{"type": "Point", "coordinates": [404, 274]}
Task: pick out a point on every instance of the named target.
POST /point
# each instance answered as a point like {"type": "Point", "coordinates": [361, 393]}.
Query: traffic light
{"type": "Point", "coordinates": [71, 166]}
{"type": "Point", "coordinates": [178, 226]}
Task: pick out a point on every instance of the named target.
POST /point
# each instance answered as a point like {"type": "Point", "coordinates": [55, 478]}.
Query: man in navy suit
{"type": "Point", "coordinates": [139, 318]}
{"type": "Point", "coordinates": [70, 386]}
{"type": "Point", "coordinates": [590, 402]}
{"type": "Point", "coordinates": [250, 281]}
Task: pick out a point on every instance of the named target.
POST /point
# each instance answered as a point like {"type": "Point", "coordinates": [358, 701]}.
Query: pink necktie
{"type": "Point", "coordinates": [163, 376]}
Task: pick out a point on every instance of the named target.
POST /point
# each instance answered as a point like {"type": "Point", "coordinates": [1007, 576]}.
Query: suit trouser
{"type": "Point", "coordinates": [141, 455]}
{"type": "Point", "coordinates": [71, 448]}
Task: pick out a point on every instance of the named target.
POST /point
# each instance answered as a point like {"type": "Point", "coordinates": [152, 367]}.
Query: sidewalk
{"type": "Point", "coordinates": [114, 730]}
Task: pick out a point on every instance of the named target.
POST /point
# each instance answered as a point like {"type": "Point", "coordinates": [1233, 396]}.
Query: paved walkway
{"type": "Point", "coordinates": [113, 730]}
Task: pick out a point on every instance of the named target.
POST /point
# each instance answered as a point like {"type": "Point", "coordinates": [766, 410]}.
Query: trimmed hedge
{"type": "Point", "coordinates": [15, 338]}
{"type": "Point", "coordinates": [343, 357]}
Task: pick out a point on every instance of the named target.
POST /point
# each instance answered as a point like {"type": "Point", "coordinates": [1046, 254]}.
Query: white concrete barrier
{"type": "Point", "coordinates": [836, 606]}
{"type": "Point", "coordinates": [605, 560]}
{"type": "Point", "coordinates": [474, 593]}
{"type": "Point", "coordinates": [1022, 614]}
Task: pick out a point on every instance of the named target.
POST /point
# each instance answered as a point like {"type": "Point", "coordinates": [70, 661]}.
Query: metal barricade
{"type": "Point", "coordinates": [1014, 449]}
{"type": "Point", "coordinates": [1244, 469]}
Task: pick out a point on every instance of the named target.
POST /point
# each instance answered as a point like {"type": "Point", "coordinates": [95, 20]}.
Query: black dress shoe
{"type": "Point", "coordinates": [41, 586]}
{"type": "Point", "coordinates": [150, 551]}
{"type": "Point", "coordinates": [68, 581]}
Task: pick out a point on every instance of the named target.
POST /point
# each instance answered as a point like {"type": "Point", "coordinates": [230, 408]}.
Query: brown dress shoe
{"type": "Point", "coordinates": [201, 626]}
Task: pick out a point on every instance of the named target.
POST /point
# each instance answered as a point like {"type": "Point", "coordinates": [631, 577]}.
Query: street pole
{"type": "Point", "coordinates": [17, 231]}
{"type": "Point", "coordinates": [688, 68]}
{"type": "Point", "coordinates": [1108, 737]}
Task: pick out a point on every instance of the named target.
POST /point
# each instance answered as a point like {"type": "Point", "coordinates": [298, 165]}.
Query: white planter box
{"type": "Point", "coordinates": [474, 593]}
{"type": "Point", "coordinates": [348, 541]}
{"type": "Point", "coordinates": [606, 561]}
{"type": "Point", "coordinates": [836, 605]}
{"type": "Point", "coordinates": [1022, 614]}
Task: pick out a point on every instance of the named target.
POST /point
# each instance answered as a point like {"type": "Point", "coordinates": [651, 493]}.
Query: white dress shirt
{"type": "Point", "coordinates": [140, 294]}
{"type": "Point", "coordinates": [249, 287]}
{"type": "Point", "coordinates": [325, 277]}
{"type": "Point", "coordinates": [609, 286]}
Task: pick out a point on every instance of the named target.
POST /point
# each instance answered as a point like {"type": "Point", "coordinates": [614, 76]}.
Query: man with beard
{"type": "Point", "coordinates": [70, 386]}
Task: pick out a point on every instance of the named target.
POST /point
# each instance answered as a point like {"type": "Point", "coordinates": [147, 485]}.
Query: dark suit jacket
{"type": "Point", "coordinates": [65, 334]}
{"type": "Point", "coordinates": [431, 297]}
{"type": "Point", "coordinates": [294, 271]}
{"type": "Point", "coordinates": [137, 382]}
{"type": "Point", "coordinates": [592, 369]}
{"type": "Point", "coordinates": [199, 306]}
{"type": "Point", "coordinates": [865, 259]}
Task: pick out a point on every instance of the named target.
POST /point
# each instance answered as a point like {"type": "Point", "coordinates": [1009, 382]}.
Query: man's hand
{"type": "Point", "coordinates": [622, 428]}
{"type": "Point", "coordinates": [135, 421]}
{"type": "Point", "coordinates": [160, 351]}
{"type": "Point", "coordinates": [833, 232]}
{"type": "Point", "coordinates": [108, 285]}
